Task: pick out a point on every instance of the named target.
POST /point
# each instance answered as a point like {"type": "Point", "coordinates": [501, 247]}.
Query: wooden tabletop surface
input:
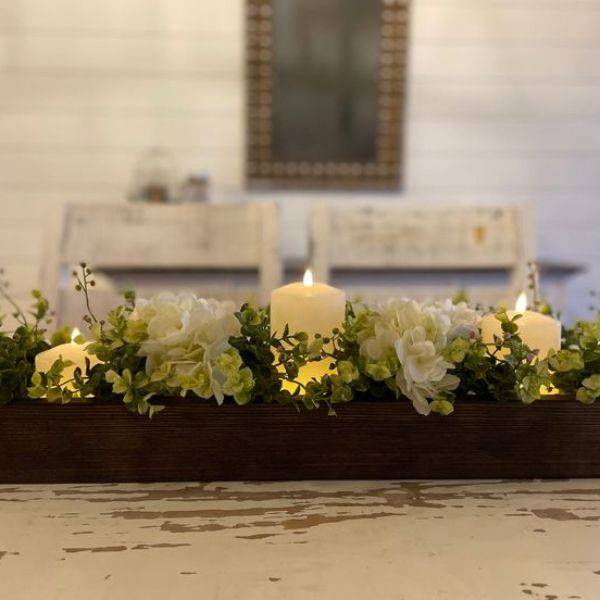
{"type": "Point", "coordinates": [412, 540]}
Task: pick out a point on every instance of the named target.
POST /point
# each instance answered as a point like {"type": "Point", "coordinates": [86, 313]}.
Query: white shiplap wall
{"type": "Point", "coordinates": [504, 105]}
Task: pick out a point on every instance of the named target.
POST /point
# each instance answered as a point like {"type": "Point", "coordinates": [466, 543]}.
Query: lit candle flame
{"type": "Point", "coordinates": [308, 278]}
{"type": "Point", "coordinates": [75, 334]}
{"type": "Point", "coordinates": [521, 305]}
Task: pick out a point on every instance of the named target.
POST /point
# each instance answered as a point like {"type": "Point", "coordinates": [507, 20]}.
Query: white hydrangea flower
{"type": "Point", "coordinates": [185, 341]}
{"type": "Point", "coordinates": [404, 342]}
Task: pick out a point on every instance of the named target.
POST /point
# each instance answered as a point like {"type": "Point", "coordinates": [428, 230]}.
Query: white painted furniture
{"type": "Point", "coordinates": [381, 540]}
{"type": "Point", "coordinates": [374, 244]}
{"type": "Point", "coordinates": [154, 248]}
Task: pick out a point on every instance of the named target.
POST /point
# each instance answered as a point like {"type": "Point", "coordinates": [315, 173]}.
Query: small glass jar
{"type": "Point", "coordinates": [155, 177]}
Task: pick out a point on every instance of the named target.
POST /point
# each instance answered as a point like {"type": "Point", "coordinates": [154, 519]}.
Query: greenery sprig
{"type": "Point", "coordinates": [576, 367]}
{"type": "Point", "coordinates": [19, 347]}
{"type": "Point", "coordinates": [504, 370]}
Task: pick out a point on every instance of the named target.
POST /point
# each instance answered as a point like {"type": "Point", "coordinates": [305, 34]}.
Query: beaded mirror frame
{"type": "Point", "coordinates": [264, 170]}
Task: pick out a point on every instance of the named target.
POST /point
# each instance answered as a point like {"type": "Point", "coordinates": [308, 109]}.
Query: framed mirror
{"type": "Point", "coordinates": [325, 92]}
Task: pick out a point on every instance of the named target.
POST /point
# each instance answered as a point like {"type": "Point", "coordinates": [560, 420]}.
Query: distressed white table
{"type": "Point", "coordinates": [364, 540]}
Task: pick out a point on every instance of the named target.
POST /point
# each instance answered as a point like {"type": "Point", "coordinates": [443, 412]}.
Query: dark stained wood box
{"type": "Point", "coordinates": [194, 441]}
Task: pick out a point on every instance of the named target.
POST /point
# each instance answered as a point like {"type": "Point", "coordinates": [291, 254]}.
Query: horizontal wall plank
{"type": "Point", "coordinates": [224, 58]}
{"type": "Point", "coordinates": [505, 171]}
{"type": "Point", "coordinates": [445, 170]}
{"type": "Point", "coordinates": [129, 97]}
{"type": "Point", "coordinates": [468, 63]}
{"type": "Point", "coordinates": [555, 20]}
{"type": "Point", "coordinates": [89, 129]}
{"type": "Point", "coordinates": [524, 21]}
{"type": "Point", "coordinates": [170, 56]}
{"type": "Point", "coordinates": [184, 98]}
{"type": "Point", "coordinates": [21, 129]}
{"type": "Point", "coordinates": [473, 136]}
{"type": "Point", "coordinates": [175, 16]}
{"type": "Point", "coordinates": [111, 168]}
{"type": "Point", "coordinates": [502, 99]}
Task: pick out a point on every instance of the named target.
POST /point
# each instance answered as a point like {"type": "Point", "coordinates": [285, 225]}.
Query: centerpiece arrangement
{"type": "Point", "coordinates": [228, 378]}
{"type": "Point", "coordinates": [311, 349]}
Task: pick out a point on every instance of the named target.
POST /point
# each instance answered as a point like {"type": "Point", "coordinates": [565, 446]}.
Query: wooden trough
{"type": "Point", "coordinates": [199, 441]}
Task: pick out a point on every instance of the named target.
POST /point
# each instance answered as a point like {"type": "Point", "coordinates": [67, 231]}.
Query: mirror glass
{"type": "Point", "coordinates": [325, 68]}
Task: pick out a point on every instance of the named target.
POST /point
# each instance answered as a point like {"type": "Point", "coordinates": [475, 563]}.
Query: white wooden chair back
{"type": "Point", "coordinates": [383, 237]}
{"type": "Point", "coordinates": [222, 237]}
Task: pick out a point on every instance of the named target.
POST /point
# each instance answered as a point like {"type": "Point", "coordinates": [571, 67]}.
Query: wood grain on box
{"type": "Point", "coordinates": [193, 440]}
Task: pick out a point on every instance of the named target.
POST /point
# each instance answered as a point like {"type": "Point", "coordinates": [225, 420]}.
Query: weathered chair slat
{"type": "Point", "coordinates": [227, 237]}
{"type": "Point", "coordinates": [380, 237]}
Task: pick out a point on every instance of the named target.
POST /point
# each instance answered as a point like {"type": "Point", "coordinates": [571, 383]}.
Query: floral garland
{"type": "Point", "coordinates": [178, 344]}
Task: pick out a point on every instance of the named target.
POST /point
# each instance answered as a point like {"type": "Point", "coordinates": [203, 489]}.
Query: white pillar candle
{"type": "Point", "coordinates": [540, 332]}
{"type": "Point", "coordinates": [74, 352]}
{"type": "Point", "coordinates": [312, 308]}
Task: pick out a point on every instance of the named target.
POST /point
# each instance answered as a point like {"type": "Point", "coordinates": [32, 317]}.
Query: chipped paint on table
{"type": "Point", "coordinates": [377, 540]}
